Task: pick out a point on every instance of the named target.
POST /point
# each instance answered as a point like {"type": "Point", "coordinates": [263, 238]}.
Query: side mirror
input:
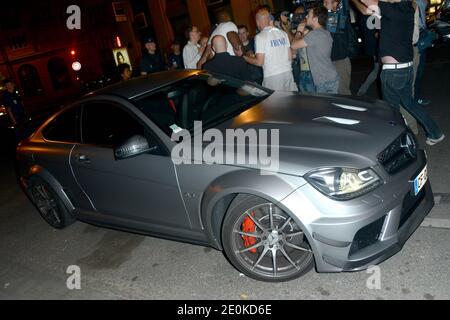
{"type": "Point", "coordinates": [133, 147]}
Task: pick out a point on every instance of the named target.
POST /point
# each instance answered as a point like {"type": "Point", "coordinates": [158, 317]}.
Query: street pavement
{"type": "Point", "coordinates": [114, 265]}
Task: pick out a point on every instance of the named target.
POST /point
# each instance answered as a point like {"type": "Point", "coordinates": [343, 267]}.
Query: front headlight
{"type": "Point", "coordinates": [344, 183]}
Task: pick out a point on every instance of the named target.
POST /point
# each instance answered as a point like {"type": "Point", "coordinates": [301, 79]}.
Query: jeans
{"type": "Point", "coordinates": [306, 82]}
{"type": "Point", "coordinates": [419, 75]}
{"type": "Point", "coordinates": [328, 87]}
{"type": "Point", "coordinates": [397, 91]}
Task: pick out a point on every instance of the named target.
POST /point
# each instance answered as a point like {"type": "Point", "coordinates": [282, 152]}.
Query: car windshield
{"type": "Point", "coordinates": [209, 98]}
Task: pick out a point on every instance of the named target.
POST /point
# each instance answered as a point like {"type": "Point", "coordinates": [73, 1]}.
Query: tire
{"type": "Point", "coordinates": [277, 234]}
{"type": "Point", "coordinates": [49, 205]}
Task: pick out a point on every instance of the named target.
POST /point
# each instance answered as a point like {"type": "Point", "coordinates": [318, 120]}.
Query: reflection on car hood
{"type": "Point", "coordinates": [321, 131]}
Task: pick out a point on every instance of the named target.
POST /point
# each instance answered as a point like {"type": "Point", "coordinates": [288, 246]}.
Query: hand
{"type": "Point", "coordinates": [250, 54]}
{"type": "Point", "coordinates": [301, 27]}
{"type": "Point", "coordinates": [239, 52]}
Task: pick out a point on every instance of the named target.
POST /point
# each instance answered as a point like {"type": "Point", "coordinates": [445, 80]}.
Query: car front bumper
{"type": "Point", "coordinates": [354, 235]}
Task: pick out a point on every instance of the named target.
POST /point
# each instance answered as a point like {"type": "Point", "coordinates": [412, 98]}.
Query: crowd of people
{"type": "Point", "coordinates": [311, 55]}
{"type": "Point", "coordinates": [314, 54]}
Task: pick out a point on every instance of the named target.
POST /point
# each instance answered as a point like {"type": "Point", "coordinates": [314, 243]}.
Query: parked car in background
{"type": "Point", "coordinates": [441, 25]}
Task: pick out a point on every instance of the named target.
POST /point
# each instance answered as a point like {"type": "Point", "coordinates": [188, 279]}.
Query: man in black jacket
{"type": "Point", "coordinates": [224, 63]}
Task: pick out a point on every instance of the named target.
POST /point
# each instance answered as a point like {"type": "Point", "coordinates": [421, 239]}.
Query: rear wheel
{"type": "Point", "coordinates": [49, 204]}
{"type": "Point", "coordinates": [264, 242]}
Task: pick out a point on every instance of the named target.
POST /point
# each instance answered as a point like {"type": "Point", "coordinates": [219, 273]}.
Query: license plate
{"type": "Point", "coordinates": [420, 181]}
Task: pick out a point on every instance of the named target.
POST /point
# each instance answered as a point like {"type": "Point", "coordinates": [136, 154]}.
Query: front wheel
{"type": "Point", "coordinates": [264, 242]}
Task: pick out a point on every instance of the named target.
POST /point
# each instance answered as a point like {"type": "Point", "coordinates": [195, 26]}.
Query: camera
{"type": "Point", "coordinates": [297, 19]}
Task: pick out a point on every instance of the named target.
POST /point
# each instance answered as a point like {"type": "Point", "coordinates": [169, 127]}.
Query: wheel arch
{"type": "Point", "coordinates": [222, 191]}
{"type": "Point", "coordinates": [37, 171]}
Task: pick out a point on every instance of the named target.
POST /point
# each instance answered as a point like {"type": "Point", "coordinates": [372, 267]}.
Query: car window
{"type": "Point", "coordinates": [108, 125]}
{"type": "Point", "coordinates": [64, 128]}
{"type": "Point", "coordinates": [206, 97]}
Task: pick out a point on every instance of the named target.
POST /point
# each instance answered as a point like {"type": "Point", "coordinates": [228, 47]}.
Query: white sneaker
{"type": "Point", "coordinates": [432, 142]}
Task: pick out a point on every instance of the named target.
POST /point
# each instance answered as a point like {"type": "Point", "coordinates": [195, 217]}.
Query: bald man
{"type": "Point", "coordinates": [273, 53]}
{"type": "Point", "coordinates": [229, 31]}
{"type": "Point", "coordinates": [224, 63]}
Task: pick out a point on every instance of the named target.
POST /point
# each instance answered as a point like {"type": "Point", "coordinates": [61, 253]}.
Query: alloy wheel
{"type": "Point", "coordinates": [269, 243]}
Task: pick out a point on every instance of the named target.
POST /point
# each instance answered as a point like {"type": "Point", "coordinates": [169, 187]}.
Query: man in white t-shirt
{"type": "Point", "coordinates": [273, 53]}
{"type": "Point", "coordinates": [230, 32]}
{"type": "Point", "coordinates": [192, 51]}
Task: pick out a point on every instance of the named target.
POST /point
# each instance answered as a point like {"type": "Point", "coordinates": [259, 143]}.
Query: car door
{"type": "Point", "coordinates": [60, 135]}
{"type": "Point", "coordinates": [140, 190]}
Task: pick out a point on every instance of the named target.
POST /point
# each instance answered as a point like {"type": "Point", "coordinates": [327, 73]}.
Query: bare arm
{"type": "Point", "coordinates": [258, 60]}
{"type": "Point", "coordinates": [286, 27]}
{"type": "Point", "coordinates": [235, 41]}
{"type": "Point", "coordinates": [207, 55]}
{"type": "Point", "coordinates": [361, 7]}
{"type": "Point", "coordinates": [299, 44]}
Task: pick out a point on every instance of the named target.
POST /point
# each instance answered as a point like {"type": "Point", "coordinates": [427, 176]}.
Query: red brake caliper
{"type": "Point", "coordinates": [249, 226]}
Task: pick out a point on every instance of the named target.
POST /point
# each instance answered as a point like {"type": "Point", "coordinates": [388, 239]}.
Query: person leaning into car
{"type": "Point", "coordinates": [396, 52]}
{"type": "Point", "coordinates": [224, 63]}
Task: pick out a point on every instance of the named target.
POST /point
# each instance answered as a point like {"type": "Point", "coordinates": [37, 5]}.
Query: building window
{"type": "Point", "coordinates": [30, 80]}
{"type": "Point", "coordinates": [59, 73]}
{"type": "Point", "coordinates": [17, 42]}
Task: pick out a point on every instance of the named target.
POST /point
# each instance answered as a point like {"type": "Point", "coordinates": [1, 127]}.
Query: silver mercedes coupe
{"type": "Point", "coordinates": [350, 188]}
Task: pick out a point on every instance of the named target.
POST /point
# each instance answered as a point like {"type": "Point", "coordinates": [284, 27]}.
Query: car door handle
{"type": "Point", "coordinates": [82, 158]}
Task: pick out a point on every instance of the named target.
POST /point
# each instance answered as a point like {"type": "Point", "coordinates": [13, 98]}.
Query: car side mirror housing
{"type": "Point", "coordinates": [133, 147]}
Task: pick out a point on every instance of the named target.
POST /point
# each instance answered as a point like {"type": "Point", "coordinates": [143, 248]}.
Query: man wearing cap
{"type": "Point", "coordinates": [152, 61]}
{"type": "Point", "coordinates": [13, 103]}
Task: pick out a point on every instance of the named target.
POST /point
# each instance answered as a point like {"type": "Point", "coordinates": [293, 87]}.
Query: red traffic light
{"type": "Point", "coordinates": [73, 52]}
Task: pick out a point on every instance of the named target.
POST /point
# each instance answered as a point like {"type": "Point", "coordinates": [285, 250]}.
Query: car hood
{"type": "Point", "coordinates": [322, 131]}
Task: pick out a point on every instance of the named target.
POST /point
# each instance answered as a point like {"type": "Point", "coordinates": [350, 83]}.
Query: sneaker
{"type": "Point", "coordinates": [432, 142]}
{"type": "Point", "coordinates": [423, 102]}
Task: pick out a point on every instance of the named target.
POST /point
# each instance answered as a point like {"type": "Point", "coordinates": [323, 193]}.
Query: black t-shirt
{"type": "Point", "coordinates": [341, 43]}
{"type": "Point", "coordinates": [249, 47]}
{"type": "Point", "coordinates": [228, 65]}
{"type": "Point", "coordinates": [152, 63]}
{"type": "Point", "coordinates": [176, 61]}
{"type": "Point", "coordinates": [397, 28]}
{"type": "Point", "coordinates": [370, 38]}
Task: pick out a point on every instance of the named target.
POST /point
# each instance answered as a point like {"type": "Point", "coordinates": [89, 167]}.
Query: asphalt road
{"type": "Point", "coordinates": [114, 265]}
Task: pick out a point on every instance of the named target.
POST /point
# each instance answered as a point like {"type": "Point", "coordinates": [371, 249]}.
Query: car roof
{"type": "Point", "coordinates": [142, 85]}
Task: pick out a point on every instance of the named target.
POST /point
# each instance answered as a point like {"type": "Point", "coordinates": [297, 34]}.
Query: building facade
{"type": "Point", "coordinates": [37, 49]}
